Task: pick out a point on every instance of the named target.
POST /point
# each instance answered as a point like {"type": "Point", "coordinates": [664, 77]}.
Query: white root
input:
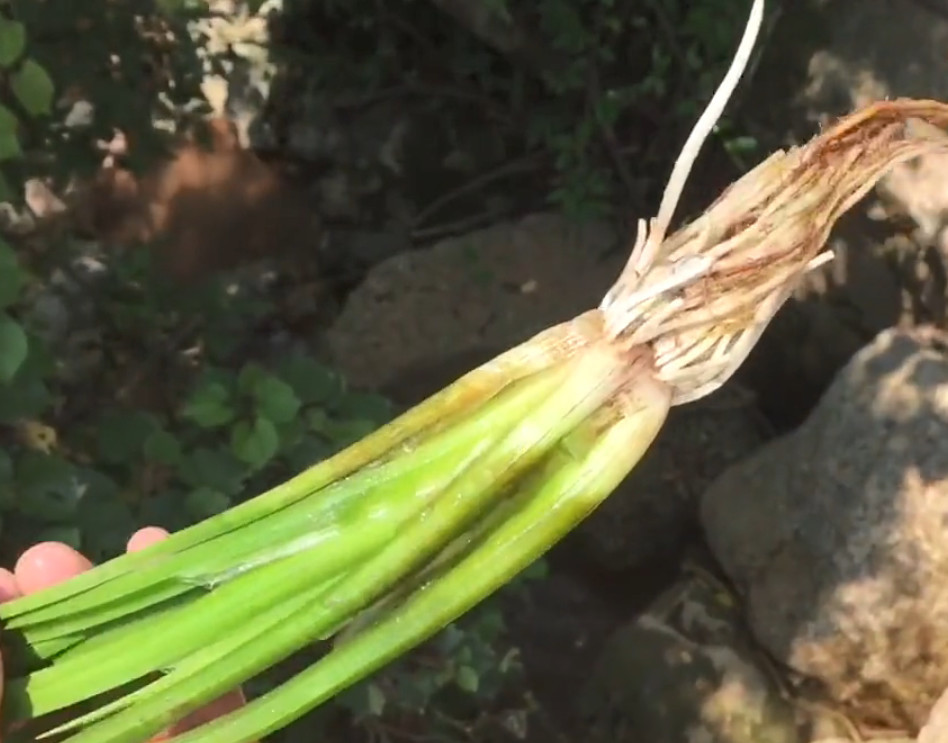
{"type": "Point", "coordinates": [649, 237]}
{"type": "Point", "coordinates": [700, 298]}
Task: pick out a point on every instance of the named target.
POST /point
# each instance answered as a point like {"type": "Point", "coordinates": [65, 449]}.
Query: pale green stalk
{"type": "Point", "coordinates": [435, 413]}
{"type": "Point", "coordinates": [592, 379]}
{"type": "Point", "coordinates": [585, 469]}
{"type": "Point", "coordinates": [130, 651]}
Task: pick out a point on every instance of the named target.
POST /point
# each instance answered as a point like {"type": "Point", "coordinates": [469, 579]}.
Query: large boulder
{"type": "Point", "coordinates": [488, 289]}
{"type": "Point", "coordinates": [837, 534]}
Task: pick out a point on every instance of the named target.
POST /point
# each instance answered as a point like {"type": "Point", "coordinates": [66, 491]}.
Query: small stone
{"type": "Point", "coordinates": [683, 673]}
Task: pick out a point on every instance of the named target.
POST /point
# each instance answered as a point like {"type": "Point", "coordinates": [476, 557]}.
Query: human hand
{"type": "Point", "coordinates": [48, 563]}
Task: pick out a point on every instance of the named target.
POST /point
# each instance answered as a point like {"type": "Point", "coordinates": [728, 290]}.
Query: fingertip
{"type": "Point", "coordinates": [9, 589]}
{"type": "Point", "coordinates": [46, 564]}
{"type": "Point", "coordinates": [146, 537]}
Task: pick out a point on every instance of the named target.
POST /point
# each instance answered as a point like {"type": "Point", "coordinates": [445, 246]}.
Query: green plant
{"type": "Point", "coordinates": [79, 464]}
{"type": "Point", "coordinates": [132, 63]}
{"type": "Point", "coordinates": [597, 93]}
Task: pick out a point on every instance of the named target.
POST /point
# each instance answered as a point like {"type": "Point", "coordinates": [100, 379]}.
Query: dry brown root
{"type": "Point", "coordinates": [702, 297]}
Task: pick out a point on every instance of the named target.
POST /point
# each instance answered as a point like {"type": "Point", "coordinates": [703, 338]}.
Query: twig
{"type": "Point", "coordinates": [457, 227]}
{"type": "Point", "coordinates": [670, 33]}
{"type": "Point", "coordinates": [158, 350]}
{"type": "Point", "coordinates": [523, 164]}
{"type": "Point", "coordinates": [503, 35]}
{"type": "Point", "coordinates": [671, 39]}
{"type": "Point", "coordinates": [495, 111]}
{"type": "Point", "coordinates": [608, 135]}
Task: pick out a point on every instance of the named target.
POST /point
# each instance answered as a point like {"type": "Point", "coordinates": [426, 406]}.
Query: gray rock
{"type": "Point", "coordinates": [836, 534]}
{"type": "Point", "coordinates": [489, 289]}
{"type": "Point", "coordinates": [866, 57]}
{"type": "Point", "coordinates": [936, 729]}
{"type": "Point", "coordinates": [686, 672]}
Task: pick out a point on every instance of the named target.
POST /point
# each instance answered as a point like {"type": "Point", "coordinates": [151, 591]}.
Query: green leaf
{"type": "Point", "coordinates": [40, 361]}
{"type": "Point", "coordinates": [217, 469]}
{"type": "Point", "coordinates": [535, 570]}
{"type": "Point", "coordinates": [450, 639]}
{"type": "Point", "coordinates": [340, 430]}
{"type": "Point", "coordinates": [464, 654]}
{"type": "Point", "coordinates": [306, 452]}
{"type": "Point", "coordinates": [12, 41]}
{"type": "Point", "coordinates": [121, 435]}
{"type": "Point", "coordinates": [69, 535]}
{"type": "Point", "coordinates": [25, 397]}
{"type": "Point", "coordinates": [6, 192]}
{"type": "Point", "coordinates": [165, 510]}
{"type": "Point", "coordinates": [363, 701]}
{"type": "Point", "coordinates": [292, 432]}
{"type": "Point", "coordinates": [33, 88]}
{"type": "Point", "coordinates": [250, 375]}
{"type": "Point", "coordinates": [491, 623]}
{"type": "Point", "coordinates": [13, 348]}
{"type": "Point", "coordinates": [7, 481]}
{"type": "Point", "coordinates": [311, 381]}
{"type": "Point", "coordinates": [46, 487]}
{"type": "Point", "coordinates": [162, 447]}
{"type": "Point", "coordinates": [103, 517]}
{"type": "Point", "coordinates": [203, 503]}
{"type": "Point", "coordinates": [11, 275]}
{"type": "Point", "coordinates": [256, 443]}
{"type": "Point", "coordinates": [467, 679]}
{"type": "Point", "coordinates": [510, 663]}
{"type": "Point", "coordinates": [363, 406]}
{"type": "Point", "coordinates": [346, 432]}
{"type": "Point", "coordinates": [318, 421]}
{"type": "Point", "coordinates": [741, 145]}
{"type": "Point", "coordinates": [210, 406]}
{"type": "Point", "coordinates": [276, 400]}
{"type": "Point", "coordinates": [9, 138]}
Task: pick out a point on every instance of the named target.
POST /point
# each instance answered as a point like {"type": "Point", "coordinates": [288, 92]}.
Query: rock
{"type": "Point", "coordinates": [489, 289]}
{"type": "Point", "coordinates": [936, 729]}
{"type": "Point", "coordinates": [798, 355]}
{"type": "Point", "coordinates": [865, 56]}
{"type": "Point", "coordinates": [686, 672]}
{"type": "Point", "coordinates": [836, 534]}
